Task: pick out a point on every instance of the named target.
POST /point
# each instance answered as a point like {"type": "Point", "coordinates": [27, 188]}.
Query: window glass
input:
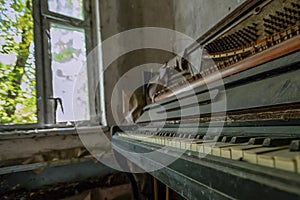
{"type": "Point", "coordinates": [17, 63]}
{"type": "Point", "coordinates": [70, 8]}
{"type": "Point", "coordinates": [69, 72]}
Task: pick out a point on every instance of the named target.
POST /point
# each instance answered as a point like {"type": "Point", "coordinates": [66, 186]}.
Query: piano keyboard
{"type": "Point", "coordinates": [276, 152]}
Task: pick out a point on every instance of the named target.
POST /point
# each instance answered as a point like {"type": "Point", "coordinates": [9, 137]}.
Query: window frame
{"type": "Point", "coordinates": [43, 18]}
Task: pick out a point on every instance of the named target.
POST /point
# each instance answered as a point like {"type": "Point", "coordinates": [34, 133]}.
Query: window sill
{"type": "Point", "coordinates": [45, 132]}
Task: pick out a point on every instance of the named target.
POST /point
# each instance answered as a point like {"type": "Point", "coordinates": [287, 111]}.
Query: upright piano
{"type": "Point", "coordinates": [228, 128]}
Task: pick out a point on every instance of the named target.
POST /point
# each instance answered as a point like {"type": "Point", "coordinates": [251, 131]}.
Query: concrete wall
{"type": "Point", "coordinates": [191, 17]}
{"type": "Point", "coordinates": [121, 15]}
{"type": "Point", "coordinates": [195, 17]}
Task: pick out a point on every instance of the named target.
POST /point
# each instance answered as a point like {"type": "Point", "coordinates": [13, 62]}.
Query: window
{"type": "Point", "coordinates": [68, 63]}
{"type": "Point", "coordinates": [71, 8]}
{"type": "Point", "coordinates": [17, 63]}
{"type": "Point", "coordinates": [43, 62]}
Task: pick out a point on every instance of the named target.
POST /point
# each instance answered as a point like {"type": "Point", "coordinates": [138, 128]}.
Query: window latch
{"type": "Point", "coordinates": [57, 101]}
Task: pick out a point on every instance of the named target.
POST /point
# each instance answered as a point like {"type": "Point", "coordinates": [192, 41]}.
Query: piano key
{"type": "Point", "coordinates": [295, 145]}
{"type": "Point", "coordinates": [256, 140]}
{"type": "Point", "coordinates": [226, 139]}
{"type": "Point", "coordinates": [186, 144]}
{"type": "Point", "coordinates": [240, 139]}
{"type": "Point", "coordinates": [199, 136]}
{"type": "Point", "coordinates": [286, 161]}
{"type": "Point", "coordinates": [216, 149]}
{"type": "Point", "coordinates": [206, 147]}
{"type": "Point", "coordinates": [167, 141]}
{"type": "Point", "coordinates": [177, 143]}
{"type": "Point", "coordinates": [251, 150]}
{"type": "Point", "coordinates": [274, 142]}
{"type": "Point", "coordinates": [212, 137]}
{"type": "Point", "coordinates": [270, 159]}
{"type": "Point", "coordinates": [251, 155]}
{"type": "Point", "coordinates": [196, 144]}
{"type": "Point", "coordinates": [226, 152]}
{"type": "Point", "coordinates": [298, 163]}
{"type": "Point", "coordinates": [266, 160]}
{"type": "Point", "coordinates": [237, 151]}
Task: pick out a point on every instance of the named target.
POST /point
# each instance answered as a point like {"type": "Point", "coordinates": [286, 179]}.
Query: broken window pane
{"type": "Point", "coordinates": [17, 63]}
{"type": "Point", "coordinates": [69, 71]}
{"type": "Point", "coordinates": [70, 8]}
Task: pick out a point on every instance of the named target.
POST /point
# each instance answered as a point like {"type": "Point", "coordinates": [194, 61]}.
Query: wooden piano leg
{"type": "Point", "coordinates": [167, 193]}
{"type": "Point", "coordinates": [155, 188]}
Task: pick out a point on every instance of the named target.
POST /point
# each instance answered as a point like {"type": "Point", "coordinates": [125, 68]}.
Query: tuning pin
{"type": "Point", "coordinates": [253, 28]}
{"type": "Point", "coordinates": [252, 33]}
{"type": "Point", "coordinates": [278, 25]}
{"type": "Point", "coordinates": [208, 47]}
{"type": "Point", "coordinates": [285, 9]}
{"type": "Point", "coordinates": [279, 13]}
{"type": "Point", "coordinates": [238, 39]}
{"type": "Point", "coordinates": [232, 42]}
{"type": "Point", "coordinates": [233, 45]}
{"type": "Point", "coordinates": [267, 20]}
{"type": "Point", "coordinates": [295, 5]}
{"type": "Point", "coordinates": [269, 32]}
{"type": "Point", "coordinates": [225, 44]}
{"type": "Point", "coordinates": [289, 10]}
{"type": "Point", "coordinates": [273, 17]}
{"type": "Point", "coordinates": [229, 42]}
{"type": "Point", "coordinates": [246, 38]}
{"type": "Point", "coordinates": [218, 46]}
{"type": "Point", "coordinates": [211, 48]}
{"type": "Point", "coordinates": [271, 27]}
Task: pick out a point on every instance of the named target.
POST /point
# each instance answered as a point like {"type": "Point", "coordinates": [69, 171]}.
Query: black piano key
{"type": "Point", "coordinates": [226, 138]}
{"type": "Point", "coordinates": [295, 145]}
{"type": "Point", "coordinates": [168, 134]}
{"type": "Point", "coordinates": [256, 140]}
{"type": "Point", "coordinates": [199, 136]}
{"type": "Point", "coordinates": [240, 139]}
{"type": "Point", "coordinates": [189, 136]}
{"type": "Point", "coordinates": [275, 142]}
{"type": "Point", "coordinates": [211, 137]}
{"type": "Point", "coordinates": [220, 138]}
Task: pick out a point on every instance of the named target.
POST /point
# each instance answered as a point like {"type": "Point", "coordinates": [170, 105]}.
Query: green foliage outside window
{"type": "Point", "coordinates": [17, 77]}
